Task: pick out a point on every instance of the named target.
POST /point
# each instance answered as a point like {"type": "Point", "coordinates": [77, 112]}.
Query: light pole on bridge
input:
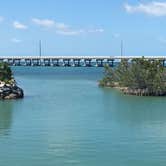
{"type": "Point", "coordinates": [40, 50]}
{"type": "Point", "coordinates": [121, 48]}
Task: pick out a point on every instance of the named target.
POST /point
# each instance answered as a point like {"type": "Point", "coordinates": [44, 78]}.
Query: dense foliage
{"type": "Point", "coordinates": [149, 76]}
{"type": "Point", "coordinates": [5, 72]}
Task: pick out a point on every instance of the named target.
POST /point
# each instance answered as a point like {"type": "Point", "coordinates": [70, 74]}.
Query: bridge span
{"type": "Point", "coordinates": [71, 61]}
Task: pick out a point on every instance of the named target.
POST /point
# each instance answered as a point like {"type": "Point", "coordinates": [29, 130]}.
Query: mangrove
{"type": "Point", "coordinates": [140, 76]}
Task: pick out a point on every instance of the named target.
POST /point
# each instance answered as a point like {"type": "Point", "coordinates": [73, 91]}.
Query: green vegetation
{"type": "Point", "coordinates": [8, 86]}
{"type": "Point", "coordinates": [5, 72]}
{"type": "Point", "coordinates": [138, 77]}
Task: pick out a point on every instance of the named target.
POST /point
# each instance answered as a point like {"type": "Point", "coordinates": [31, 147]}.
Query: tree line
{"type": "Point", "coordinates": [146, 76]}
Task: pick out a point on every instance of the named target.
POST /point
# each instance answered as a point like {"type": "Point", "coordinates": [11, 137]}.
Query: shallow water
{"type": "Point", "coordinates": [66, 119]}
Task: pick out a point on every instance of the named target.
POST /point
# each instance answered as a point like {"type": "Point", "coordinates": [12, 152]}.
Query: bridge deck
{"type": "Point", "coordinates": [81, 57]}
{"type": "Point", "coordinates": [77, 61]}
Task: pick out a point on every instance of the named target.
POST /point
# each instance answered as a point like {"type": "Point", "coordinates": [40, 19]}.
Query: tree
{"type": "Point", "coordinates": [5, 72]}
{"type": "Point", "coordinates": [140, 74]}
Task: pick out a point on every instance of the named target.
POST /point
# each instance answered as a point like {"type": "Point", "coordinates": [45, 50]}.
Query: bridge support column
{"type": "Point", "coordinates": [99, 62]}
{"type": "Point", "coordinates": [77, 62]}
{"type": "Point", "coordinates": [67, 62]}
{"type": "Point", "coordinates": [55, 62]}
{"type": "Point", "coordinates": [17, 62]}
{"type": "Point", "coordinates": [35, 62]}
{"type": "Point", "coordinates": [163, 63]}
{"type": "Point", "coordinates": [88, 62]}
{"type": "Point", "coordinates": [47, 62]}
{"type": "Point", "coordinates": [10, 62]}
{"type": "Point", "coordinates": [28, 62]}
{"type": "Point", "coordinates": [110, 62]}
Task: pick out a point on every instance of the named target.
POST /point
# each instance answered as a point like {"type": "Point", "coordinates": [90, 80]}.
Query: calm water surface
{"type": "Point", "coordinates": [65, 119]}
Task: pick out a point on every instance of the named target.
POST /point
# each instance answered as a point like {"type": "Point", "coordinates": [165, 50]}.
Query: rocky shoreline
{"type": "Point", "coordinates": [135, 92]}
{"type": "Point", "coordinates": [141, 92]}
{"type": "Point", "coordinates": [10, 90]}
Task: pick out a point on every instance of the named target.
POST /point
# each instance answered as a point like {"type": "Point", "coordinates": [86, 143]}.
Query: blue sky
{"type": "Point", "coordinates": [83, 27]}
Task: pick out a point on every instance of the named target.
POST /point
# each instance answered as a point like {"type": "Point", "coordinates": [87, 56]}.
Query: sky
{"type": "Point", "coordinates": [83, 27]}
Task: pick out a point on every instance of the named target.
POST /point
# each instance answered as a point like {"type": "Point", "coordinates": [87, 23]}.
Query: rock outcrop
{"type": "Point", "coordinates": [10, 90]}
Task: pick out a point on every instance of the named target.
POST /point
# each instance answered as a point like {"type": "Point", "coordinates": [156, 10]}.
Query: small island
{"type": "Point", "coordinates": [139, 77]}
{"type": "Point", "coordinates": [8, 86]}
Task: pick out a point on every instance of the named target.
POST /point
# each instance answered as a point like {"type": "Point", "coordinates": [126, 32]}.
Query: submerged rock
{"type": "Point", "coordinates": [10, 91]}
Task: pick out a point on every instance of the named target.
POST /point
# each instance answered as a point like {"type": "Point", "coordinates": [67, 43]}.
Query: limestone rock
{"type": "Point", "coordinates": [10, 91]}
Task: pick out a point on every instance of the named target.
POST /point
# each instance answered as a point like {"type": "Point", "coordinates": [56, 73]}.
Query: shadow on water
{"type": "Point", "coordinates": [6, 114]}
{"type": "Point", "coordinates": [133, 109]}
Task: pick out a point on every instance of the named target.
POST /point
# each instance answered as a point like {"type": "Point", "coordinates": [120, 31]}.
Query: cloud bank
{"type": "Point", "coordinates": [153, 8]}
{"type": "Point", "coordinates": [62, 28]}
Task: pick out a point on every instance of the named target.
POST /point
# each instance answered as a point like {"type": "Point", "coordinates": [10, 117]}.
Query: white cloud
{"type": "Point", "coordinates": [153, 8]}
{"type": "Point", "coordinates": [19, 25]}
{"type": "Point", "coordinates": [62, 28]}
{"type": "Point", "coordinates": [44, 22]}
{"type": "Point", "coordinates": [100, 30]}
{"type": "Point", "coordinates": [69, 32]}
{"type": "Point", "coordinates": [73, 32]}
{"type": "Point", "coordinates": [48, 23]}
{"type": "Point", "coordinates": [15, 40]}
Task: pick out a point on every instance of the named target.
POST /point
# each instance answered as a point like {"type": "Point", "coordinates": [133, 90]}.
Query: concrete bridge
{"type": "Point", "coordinates": [71, 61]}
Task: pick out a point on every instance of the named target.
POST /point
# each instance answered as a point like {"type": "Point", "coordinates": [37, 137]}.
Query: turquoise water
{"type": "Point", "coordinates": [65, 119]}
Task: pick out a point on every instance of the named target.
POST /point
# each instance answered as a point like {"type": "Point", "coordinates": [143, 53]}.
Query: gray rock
{"type": "Point", "coordinates": [11, 92]}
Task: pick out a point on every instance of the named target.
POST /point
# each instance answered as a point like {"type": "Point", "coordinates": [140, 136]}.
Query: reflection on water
{"type": "Point", "coordinates": [5, 116]}
{"type": "Point", "coordinates": [133, 109]}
